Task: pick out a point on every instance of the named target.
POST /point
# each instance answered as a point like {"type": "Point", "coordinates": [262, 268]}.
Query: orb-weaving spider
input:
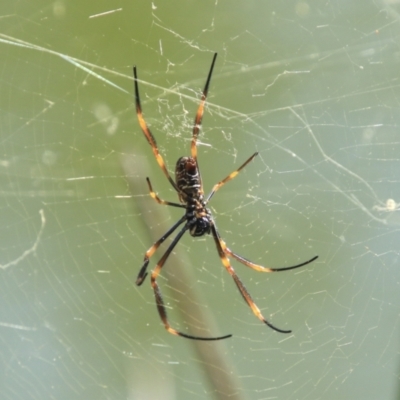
{"type": "Point", "coordinates": [197, 218]}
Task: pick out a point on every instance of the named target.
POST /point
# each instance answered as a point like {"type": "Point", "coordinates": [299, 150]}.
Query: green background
{"type": "Point", "coordinates": [312, 86]}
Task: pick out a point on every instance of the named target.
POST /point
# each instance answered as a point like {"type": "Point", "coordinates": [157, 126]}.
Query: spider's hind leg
{"type": "Point", "coordinates": [147, 133]}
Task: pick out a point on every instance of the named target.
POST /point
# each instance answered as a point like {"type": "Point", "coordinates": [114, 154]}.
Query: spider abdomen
{"type": "Point", "coordinates": [188, 182]}
{"type": "Point", "coordinates": [187, 176]}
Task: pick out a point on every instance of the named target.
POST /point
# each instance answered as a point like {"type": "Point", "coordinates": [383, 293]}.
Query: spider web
{"type": "Point", "coordinates": [313, 88]}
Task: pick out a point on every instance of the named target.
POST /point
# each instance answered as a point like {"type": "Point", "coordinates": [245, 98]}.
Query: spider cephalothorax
{"type": "Point", "coordinates": [197, 218]}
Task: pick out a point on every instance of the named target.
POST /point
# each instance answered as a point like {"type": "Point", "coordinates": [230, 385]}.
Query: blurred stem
{"type": "Point", "coordinates": [211, 355]}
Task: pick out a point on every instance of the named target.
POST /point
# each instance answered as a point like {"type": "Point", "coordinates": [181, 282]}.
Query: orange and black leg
{"type": "Point", "coordinates": [143, 270]}
{"type": "Point", "coordinates": [229, 177]}
{"type": "Point", "coordinates": [159, 299]}
{"type": "Point", "coordinates": [199, 117]}
{"type": "Point", "coordinates": [147, 133]}
{"type": "Point", "coordinates": [243, 291]}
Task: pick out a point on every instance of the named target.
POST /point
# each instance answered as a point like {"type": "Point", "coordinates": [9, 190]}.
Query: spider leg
{"type": "Point", "coordinates": [243, 291]}
{"type": "Point", "coordinates": [160, 201]}
{"type": "Point", "coordinates": [229, 177]}
{"type": "Point", "coordinates": [149, 136]}
{"type": "Point", "coordinates": [159, 299]}
{"type": "Point", "coordinates": [143, 273]}
{"type": "Point", "coordinates": [257, 267]}
{"type": "Point", "coordinates": [199, 117]}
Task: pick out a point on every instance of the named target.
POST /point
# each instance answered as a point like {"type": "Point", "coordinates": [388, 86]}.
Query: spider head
{"type": "Point", "coordinates": [201, 226]}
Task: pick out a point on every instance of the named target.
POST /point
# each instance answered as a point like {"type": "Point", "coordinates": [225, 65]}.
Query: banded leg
{"type": "Point", "coordinates": [243, 291]}
{"type": "Point", "coordinates": [257, 267]}
{"type": "Point", "coordinates": [147, 133]}
{"type": "Point", "coordinates": [199, 117]}
{"type": "Point", "coordinates": [160, 201]}
{"type": "Point", "coordinates": [229, 177]}
{"type": "Point", "coordinates": [159, 299]}
{"type": "Point", "coordinates": [143, 270]}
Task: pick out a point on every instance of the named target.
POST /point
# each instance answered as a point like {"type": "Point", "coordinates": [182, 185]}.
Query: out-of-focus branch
{"type": "Point", "coordinates": [211, 357]}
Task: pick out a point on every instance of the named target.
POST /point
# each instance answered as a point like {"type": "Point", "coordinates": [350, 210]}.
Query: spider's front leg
{"type": "Point", "coordinates": [257, 267]}
{"type": "Point", "coordinates": [142, 273]}
{"type": "Point", "coordinates": [243, 291]}
{"type": "Point", "coordinates": [159, 299]}
{"type": "Point", "coordinates": [143, 270]}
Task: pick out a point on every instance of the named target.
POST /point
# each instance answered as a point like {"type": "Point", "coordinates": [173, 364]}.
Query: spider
{"type": "Point", "coordinates": [197, 218]}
